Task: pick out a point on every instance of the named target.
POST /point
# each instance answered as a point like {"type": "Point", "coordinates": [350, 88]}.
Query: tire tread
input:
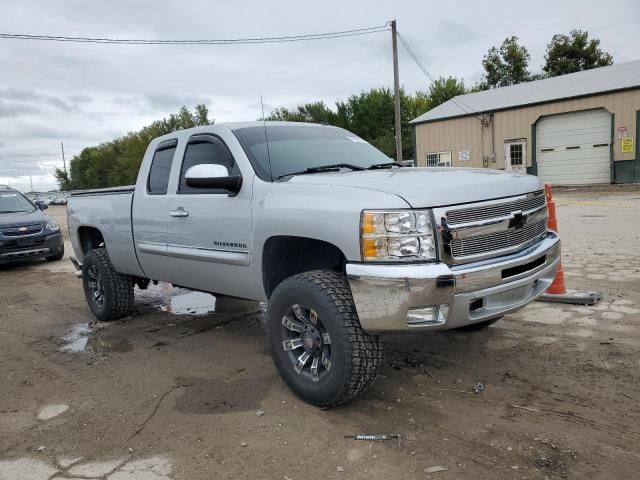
{"type": "Point", "coordinates": [366, 350]}
{"type": "Point", "coordinates": [120, 285]}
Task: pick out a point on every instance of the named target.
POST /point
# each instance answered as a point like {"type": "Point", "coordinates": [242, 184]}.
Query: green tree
{"type": "Point", "coordinates": [62, 178]}
{"type": "Point", "coordinates": [117, 162]}
{"type": "Point", "coordinates": [314, 112]}
{"type": "Point", "coordinates": [370, 114]}
{"type": "Point", "coordinates": [507, 65]}
{"type": "Point", "coordinates": [444, 89]}
{"type": "Point", "coordinates": [573, 53]}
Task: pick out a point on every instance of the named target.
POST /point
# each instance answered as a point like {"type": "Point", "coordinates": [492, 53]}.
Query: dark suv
{"type": "Point", "coordinates": [25, 230]}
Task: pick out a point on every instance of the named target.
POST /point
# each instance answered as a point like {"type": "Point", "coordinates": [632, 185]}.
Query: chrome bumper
{"type": "Point", "coordinates": [394, 298]}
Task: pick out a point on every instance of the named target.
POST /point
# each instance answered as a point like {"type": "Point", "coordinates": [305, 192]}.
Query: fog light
{"type": "Point", "coordinates": [431, 315]}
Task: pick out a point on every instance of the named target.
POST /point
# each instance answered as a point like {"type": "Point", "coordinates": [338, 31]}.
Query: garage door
{"type": "Point", "coordinates": [574, 148]}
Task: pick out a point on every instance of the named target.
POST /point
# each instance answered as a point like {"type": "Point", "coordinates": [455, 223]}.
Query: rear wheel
{"type": "Point", "coordinates": [108, 293]}
{"type": "Point", "coordinates": [317, 343]}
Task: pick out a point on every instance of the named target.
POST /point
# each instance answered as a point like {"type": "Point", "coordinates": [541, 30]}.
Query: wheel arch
{"type": "Point", "coordinates": [89, 237]}
{"type": "Point", "coordinates": [286, 255]}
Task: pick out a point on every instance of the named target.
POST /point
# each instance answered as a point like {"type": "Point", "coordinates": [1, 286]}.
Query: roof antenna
{"type": "Point", "coordinates": [266, 138]}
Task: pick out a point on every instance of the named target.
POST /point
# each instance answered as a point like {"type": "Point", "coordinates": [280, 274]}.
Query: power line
{"type": "Point", "coordinates": [459, 103]}
{"type": "Point", "coordinates": [5, 149]}
{"type": "Point", "coordinates": [227, 41]}
{"type": "Point", "coordinates": [35, 155]}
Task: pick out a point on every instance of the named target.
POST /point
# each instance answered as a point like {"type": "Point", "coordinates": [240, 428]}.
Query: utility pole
{"type": "Point", "coordinates": [64, 162]}
{"type": "Point", "coordinates": [396, 91]}
{"type": "Point", "coordinates": [31, 182]}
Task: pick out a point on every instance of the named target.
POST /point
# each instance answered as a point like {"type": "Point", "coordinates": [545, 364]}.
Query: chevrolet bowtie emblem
{"type": "Point", "coordinates": [518, 220]}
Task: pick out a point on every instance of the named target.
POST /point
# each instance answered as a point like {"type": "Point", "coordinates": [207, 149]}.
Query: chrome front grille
{"type": "Point", "coordinates": [484, 212]}
{"type": "Point", "coordinates": [496, 242]}
{"type": "Point", "coordinates": [20, 230]}
{"type": "Point", "coordinates": [473, 232]}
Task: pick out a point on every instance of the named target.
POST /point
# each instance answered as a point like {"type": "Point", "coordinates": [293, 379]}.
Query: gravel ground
{"type": "Point", "coordinates": [166, 394]}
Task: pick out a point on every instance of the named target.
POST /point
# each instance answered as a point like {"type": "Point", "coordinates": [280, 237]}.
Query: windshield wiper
{"type": "Point", "coordinates": [12, 211]}
{"type": "Point", "coordinates": [378, 166]}
{"type": "Point", "coordinates": [323, 168]}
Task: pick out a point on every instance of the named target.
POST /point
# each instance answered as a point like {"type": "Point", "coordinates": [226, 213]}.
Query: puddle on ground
{"type": "Point", "coordinates": [214, 396]}
{"type": "Point", "coordinates": [182, 301]}
{"type": "Point", "coordinates": [76, 339]}
{"type": "Point", "coordinates": [165, 297]}
{"type": "Point", "coordinates": [81, 338]}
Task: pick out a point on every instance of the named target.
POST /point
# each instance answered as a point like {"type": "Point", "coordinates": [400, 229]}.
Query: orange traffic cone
{"type": "Point", "coordinates": [557, 291]}
{"type": "Point", "coordinates": [557, 287]}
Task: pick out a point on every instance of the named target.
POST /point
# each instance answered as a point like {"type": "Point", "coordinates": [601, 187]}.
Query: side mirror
{"type": "Point", "coordinates": [207, 175]}
{"type": "Point", "coordinates": [42, 206]}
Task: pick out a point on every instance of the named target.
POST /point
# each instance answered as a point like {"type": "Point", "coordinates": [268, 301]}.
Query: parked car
{"type": "Point", "coordinates": [59, 200]}
{"type": "Point", "coordinates": [25, 230]}
{"type": "Point", "coordinates": [344, 244]}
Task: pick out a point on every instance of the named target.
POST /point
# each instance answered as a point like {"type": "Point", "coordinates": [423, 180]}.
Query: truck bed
{"type": "Point", "coordinates": [109, 211]}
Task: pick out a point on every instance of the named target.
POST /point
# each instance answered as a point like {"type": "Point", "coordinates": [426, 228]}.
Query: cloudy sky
{"type": "Point", "coordinates": [84, 94]}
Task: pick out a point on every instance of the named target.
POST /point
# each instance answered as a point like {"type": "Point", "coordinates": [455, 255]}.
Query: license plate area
{"type": "Point", "coordinates": [25, 242]}
{"type": "Point", "coordinates": [527, 267]}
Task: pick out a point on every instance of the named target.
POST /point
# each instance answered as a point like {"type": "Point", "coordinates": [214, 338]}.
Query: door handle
{"type": "Point", "coordinates": [179, 212]}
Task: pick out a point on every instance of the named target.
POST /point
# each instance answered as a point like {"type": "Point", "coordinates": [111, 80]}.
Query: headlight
{"type": "Point", "coordinates": [53, 226]}
{"type": "Point", "coordinates": [397, 236]}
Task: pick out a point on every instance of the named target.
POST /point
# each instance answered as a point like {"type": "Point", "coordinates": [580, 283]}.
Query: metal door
{"type": "Point", "coordinates": [150, 212]}
{"type": "Point", "coordinates": [209, 232]}
{"type": "Point", "coordinates": [574, 148]}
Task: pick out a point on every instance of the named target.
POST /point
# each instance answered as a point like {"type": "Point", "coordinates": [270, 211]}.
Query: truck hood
{"type": "Point", "coordinates": [431, 187]}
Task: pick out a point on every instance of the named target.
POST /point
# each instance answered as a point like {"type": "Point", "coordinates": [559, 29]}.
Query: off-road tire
{"type": "Point", "coordinates": [355, 355]}
{"type": "Point", "coordinates": [118, 288]}
{"type": "Point", "coordinates": [474, 327]}
{"type": "Point", "coordinates": [57, 256]}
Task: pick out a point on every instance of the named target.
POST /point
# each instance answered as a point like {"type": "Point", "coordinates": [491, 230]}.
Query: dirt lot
{"type": "Point", "coordinates": [170, 395]}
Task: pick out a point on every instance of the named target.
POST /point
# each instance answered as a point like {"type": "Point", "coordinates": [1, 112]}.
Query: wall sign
{"type": "Point", "coordinates": [626, 145]}
{"type": "Point", "coordinates": [622, 132]}
{"type": "Point", "coordinates": [464, 156]}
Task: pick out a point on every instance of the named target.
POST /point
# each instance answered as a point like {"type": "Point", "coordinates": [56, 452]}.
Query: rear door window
{"type": "Point", "coordinates": [160, 169]}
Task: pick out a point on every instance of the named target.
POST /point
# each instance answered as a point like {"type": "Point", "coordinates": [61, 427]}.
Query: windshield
{"type": "Point", "coordinates": [293, 148]}
{"type": "Point", "coordinates": [14, 202]}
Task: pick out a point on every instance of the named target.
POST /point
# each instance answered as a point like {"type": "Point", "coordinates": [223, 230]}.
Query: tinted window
{"type": "Point", "coordinates": [160, 170]}
{"type": "Point", "coordinates": [13, 202]}
{"type": "Point", "coordinates": [209, 149]}
{"type": "Point", "coordinates": [292, 148]}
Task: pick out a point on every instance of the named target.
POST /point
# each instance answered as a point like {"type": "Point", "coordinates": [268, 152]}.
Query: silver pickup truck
{"type": "Point", "coordinates": [342, 243]}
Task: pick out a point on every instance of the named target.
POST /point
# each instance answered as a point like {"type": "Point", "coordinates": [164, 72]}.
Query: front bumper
{"type": "Point", "coordinates": [391, 298]}
{"type": "Point", "coordinates": [37, 246]}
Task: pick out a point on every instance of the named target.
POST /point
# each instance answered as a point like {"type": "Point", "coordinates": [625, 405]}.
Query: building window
{"type": "Point", "coordinates": [515, 151]}
{"type": "Point", "coordinates": [438, 159]}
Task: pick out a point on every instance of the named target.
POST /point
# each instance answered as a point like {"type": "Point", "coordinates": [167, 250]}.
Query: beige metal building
{"type": "Point", "coordinates": [580, 128]}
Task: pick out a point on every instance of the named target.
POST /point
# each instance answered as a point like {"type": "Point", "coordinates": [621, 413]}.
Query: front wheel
{"type": "Point", "coordinates": [317, 343]}
{"type": "Point", "coordinates": [108, 293]}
